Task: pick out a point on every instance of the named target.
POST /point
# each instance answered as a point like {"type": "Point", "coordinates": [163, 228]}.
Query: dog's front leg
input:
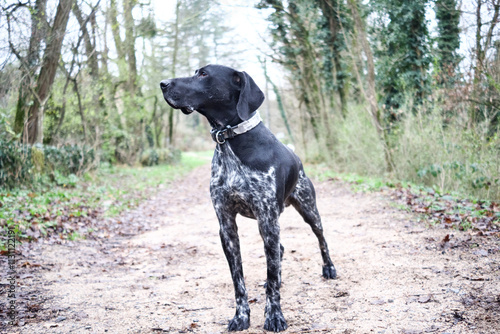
{"type": "Point", "coordinates": [231, 245]}
{"type": "Point", "coordinates": [270, 232]}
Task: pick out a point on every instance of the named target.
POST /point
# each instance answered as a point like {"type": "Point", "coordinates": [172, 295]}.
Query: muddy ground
{"type": "Point", "coordinates": [395, 275]}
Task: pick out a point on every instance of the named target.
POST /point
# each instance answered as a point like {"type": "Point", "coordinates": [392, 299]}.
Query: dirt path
{"type": "Point", "coordinates": [395, 276]}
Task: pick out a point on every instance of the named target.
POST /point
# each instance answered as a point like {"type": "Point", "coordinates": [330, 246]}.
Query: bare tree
{"type": "Point", "coordinates": [29, 62]}
{"type": "Point", "coordinates": [33, 130]}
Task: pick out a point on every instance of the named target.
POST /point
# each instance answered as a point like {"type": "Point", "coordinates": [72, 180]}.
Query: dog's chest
{"type": "Point", "coordinates": [232, 180]}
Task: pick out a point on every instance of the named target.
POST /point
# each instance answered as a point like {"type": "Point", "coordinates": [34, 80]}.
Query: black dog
{"type": "Point", "coordinates": [253, 174]}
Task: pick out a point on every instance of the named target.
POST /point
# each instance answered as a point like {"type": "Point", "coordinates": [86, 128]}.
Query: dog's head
{"type": "Point", "coordinates": [222, 94]}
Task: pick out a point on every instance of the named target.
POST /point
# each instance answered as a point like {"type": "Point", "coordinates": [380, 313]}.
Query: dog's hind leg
{"type": "Point", "coordinates": [231, 246]}
{"type": "Point", "coordinates": [303, 199]}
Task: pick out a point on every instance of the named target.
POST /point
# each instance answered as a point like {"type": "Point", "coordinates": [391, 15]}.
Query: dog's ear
{"type": "Point", "coordinates": [251, 97]}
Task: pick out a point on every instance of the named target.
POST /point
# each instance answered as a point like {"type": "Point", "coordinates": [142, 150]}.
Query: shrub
{"type": "Point", "coordinates": [427, 149]}
{"type": "Point", "coordinates": [19, 163]}
{"type": "Point", "coordinates": [152, 157]}
{"type": "Point", "coordinates": [69, 159]}
{"type": "Point", "coordinates": [15, 164]}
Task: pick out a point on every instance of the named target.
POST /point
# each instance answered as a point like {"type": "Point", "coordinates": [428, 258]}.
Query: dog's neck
{"type": "Point", "coordinates": [219, 135]}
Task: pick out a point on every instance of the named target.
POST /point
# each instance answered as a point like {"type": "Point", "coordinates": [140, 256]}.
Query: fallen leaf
{"type": "Point", "coordinates": [26, 276]}
{"type": "Point", "coordinates": [445, 241]}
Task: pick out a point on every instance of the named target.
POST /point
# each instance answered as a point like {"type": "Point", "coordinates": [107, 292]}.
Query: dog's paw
{"type": "Point", "coordinates": [240, 322]}
{"type": "Point", "coordinates": [275, 322]}
{"type": "Point", "coordinates": [329, 272]}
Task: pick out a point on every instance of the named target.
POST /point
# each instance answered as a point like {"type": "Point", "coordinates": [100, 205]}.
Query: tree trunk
{"type": "Point", "coordinates": [330, 8]}
{"type": "Point", "coordinates": [38, 23]}
{"type": "Point", "coordinates": [129, 46]}
{"type": "Point", "coordinates": [371, 94]}
{"type": "Point", "coordinates": [90, 49]}
{"type": "Point", "coordinates": [93, 64]}
{"type": "Point", "coordinates": [48, 71]}
{"type": "Point", "coordinates": [481, 50]}
{"type": "Point", "coordinates": [174, 64]}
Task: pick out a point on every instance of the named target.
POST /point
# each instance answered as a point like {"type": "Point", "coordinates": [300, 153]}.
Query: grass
{"type": "Point", "coordinates": [450, 210]}
{"type": "Point", "coordinates": [357, 182]}
{"type": "Point", "coordinates": [427, 148]}
{"type": "Point", "coordinates": [48, 209]}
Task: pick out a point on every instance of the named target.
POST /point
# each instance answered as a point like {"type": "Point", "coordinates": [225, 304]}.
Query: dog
{"type": "Point", "coordinates": [253, 174]}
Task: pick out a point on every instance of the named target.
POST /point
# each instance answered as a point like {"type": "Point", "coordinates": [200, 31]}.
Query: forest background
{"type": "Point", "coordinates": [401, 90]}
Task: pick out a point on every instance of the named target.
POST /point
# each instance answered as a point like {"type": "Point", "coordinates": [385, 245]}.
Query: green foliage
{"type": "Point", "coordinates": [448, 39]}
{"type": "Point", "coordinates": [153, 157]}
{"type": "Point", "coordinates": [403, 53]}
{"type": "Point", "coordinates": [450, 210]}
{"type": "Point", "coordinates": [426, 150]}
{"type": "Point", "coordinates": [332, 27]}
{"type": "Point", "coordinates": [15, 164]}
{"type": "Point", "coordinates": [446, 157]}
{"type": "Point", "coordinates": [6, 131]}
{"type": "Point", "coordinates": [65, 180]}
{"type": "Point", "coordinates": [309, 39]}
{"type": "Point", "coordinates": [69, 159]}
{"type": "Point", "coordinates": [147, 27]}
{"type": "Point", "coordinates": [22, 164]}
{"type": "Point", "coordinates": [37, 158]}
{"type": "Point", "coordinates": [436, 207]}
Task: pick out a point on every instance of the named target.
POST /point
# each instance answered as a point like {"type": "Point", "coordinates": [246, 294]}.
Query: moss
{"type": "Point", "coordinates": [38, 159]}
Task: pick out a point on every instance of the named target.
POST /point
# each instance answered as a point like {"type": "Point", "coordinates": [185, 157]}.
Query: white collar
{"type": "Point", "coordinates": [220, 136]}
{"type": "Point", "coordinates": [247, 125]}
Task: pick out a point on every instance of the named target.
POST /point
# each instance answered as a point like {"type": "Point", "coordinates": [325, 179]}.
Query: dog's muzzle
{"type": "Point", "coordinates": [167, 95]}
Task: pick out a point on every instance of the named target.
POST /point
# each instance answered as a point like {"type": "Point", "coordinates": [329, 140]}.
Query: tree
{"type": "Point", "coordinates": [483, 85]}
{"type": "Point", "coordinates": [34, 128]}
{"type": "Point", "coordinates": [403, 53]}
{"type": "Point", "coordinates": [334, 23]}
{"type": "Point", "coordinates": [301, 36]}
{"type": "Point", "coordinates": [193, 38]}
{"type": "Point", "coordinates": [369, 93]}
{"type": "Point", "coordinates": [30, 61]}
{"type": "Point", "coordinates": [448, 39]}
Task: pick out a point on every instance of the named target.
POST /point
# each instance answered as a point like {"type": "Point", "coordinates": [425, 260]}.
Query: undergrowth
{"type": "Point", "coordinates": [427, 149]}
{"type": "Point", "coordinates": [447, 209]}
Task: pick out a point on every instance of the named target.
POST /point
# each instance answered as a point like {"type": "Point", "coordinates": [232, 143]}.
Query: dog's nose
{"type": "Point", "coordinates": [164, 84]}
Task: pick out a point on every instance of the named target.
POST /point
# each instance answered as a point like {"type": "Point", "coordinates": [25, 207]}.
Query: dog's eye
{"type": "Point", "coordinates": [202, 74]}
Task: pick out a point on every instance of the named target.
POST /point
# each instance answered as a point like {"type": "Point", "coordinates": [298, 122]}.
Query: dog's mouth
{"type": "Point", "coordinates": [187, 110]}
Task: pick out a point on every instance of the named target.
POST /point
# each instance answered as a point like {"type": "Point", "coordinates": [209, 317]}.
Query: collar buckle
{"type": "Point", "coordinates": [220, 136]}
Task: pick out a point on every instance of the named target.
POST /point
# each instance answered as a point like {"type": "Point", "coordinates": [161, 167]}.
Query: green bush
{"type": "Point", "coordinates": [448, 158]}
{"type": "Point", "coordinates": [19, 163]}
{"type": "Point", "coordinates": [153, 157]}
{"type": "Point", "coordinates": [427, 149]}
{"type": "Point", "coordinates": [15, 164]}
{"type": "Point", "coordinates": [149, 157]}
{"type": "Point", "coordinates": [68, 159]}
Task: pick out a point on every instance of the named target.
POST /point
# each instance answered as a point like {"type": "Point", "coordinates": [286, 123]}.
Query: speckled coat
{"type": "Point", "coordinates": [254, 175]}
